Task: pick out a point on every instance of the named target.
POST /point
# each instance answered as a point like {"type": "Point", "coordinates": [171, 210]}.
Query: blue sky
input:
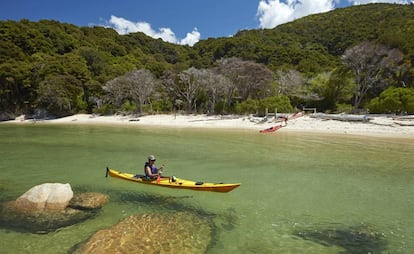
{"type": "Point", "coordinates": [176, 21]}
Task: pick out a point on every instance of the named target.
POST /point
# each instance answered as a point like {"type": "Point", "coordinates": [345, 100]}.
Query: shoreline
{"type": "Point", "coordinates": [377, 126]}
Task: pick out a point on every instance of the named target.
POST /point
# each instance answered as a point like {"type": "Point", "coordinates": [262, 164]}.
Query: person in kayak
{"type": "Point", "coordinates": [150, 169]}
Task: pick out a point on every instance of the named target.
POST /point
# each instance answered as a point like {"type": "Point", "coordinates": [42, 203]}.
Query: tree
{"type": "Point", "coordinates": [215, 85]}
{"type": "Point", "coordinates": [135, 86]}
{"type": "Point", "coordinates": [252, 80]}
{"type": "Point", "coordinates": [291, 82]}
{"type": "Point", "coordinates": [189, 84]}
{"type": "Point", "coordinates": [224, 65]}
{"type": "Point", "coordinates": [168, 80]}
{"type": "Point", "coordinates": [60, 95]}
{"type": "Point", "coordinates": [370, 62]}
{"type": "Point", "coordinates": [96, 61]}
{"type": "Point", "coordinates": [15, 86]}
{"type": "Point", "coordinates": [331, 88]}
{"type": "Point", "coordinates": [141, 85]}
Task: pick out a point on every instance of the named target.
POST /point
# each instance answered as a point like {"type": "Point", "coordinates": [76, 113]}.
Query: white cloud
{"type": "Point", "coordinates": [191, 38]}
{"type": "Point", "coordinates": [379, 1]}
{"type": "Point", "coordinates": [272, 13]}
{"type": "Point", "coordinates": [124, 26]}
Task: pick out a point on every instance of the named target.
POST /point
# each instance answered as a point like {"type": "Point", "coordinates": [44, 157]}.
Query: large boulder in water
{"type": "Point", "coordinates": [40, 210]}
{"type": "Point", "coordinates": [180, 232]}
{"type": "Point", "coordinates": [50, 196]}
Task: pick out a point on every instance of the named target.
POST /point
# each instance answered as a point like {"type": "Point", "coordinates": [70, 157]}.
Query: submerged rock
{"type": "Point", "coordinates": [40, 221]}
{"type": "Point", "coordinates": [88, 201]}
{"type": "Point", "coordinates": [180, 232]}
{"type": "Point", "coordinates": [48, 207]}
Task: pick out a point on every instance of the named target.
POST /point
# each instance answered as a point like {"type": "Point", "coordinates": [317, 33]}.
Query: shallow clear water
{"type": "Point", "coordinates": [300, 193]}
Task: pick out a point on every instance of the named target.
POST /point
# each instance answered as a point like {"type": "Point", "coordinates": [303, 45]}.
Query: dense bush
{"type": "Point", "coordinates": [279, 103]}
{"type": "Point", "coordinates": [249, 106]}
{"type": "Point", "coordinates": [394, 101]}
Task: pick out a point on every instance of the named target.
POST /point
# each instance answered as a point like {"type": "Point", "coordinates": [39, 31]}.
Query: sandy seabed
{"type": "Point", "coordinates": [380, 126]}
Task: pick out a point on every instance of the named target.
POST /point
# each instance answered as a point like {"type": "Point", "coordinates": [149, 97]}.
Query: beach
{"type": "Point", "coordinates": [382, 126]}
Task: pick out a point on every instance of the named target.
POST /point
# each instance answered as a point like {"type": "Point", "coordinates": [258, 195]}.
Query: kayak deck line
{"type": "Point", "coordinates": [169, 182]}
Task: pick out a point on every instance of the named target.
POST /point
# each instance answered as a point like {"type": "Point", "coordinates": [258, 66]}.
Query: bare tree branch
{"type": "Point", "coordinates": [370, 63]}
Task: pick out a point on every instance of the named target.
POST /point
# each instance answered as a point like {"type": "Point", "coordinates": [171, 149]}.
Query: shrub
{"type": "Point", "coordinates": [105, 109]}
{"type": "Point", "coordinates": [344, 108]}
{"type": "Point", "coordinates": [129, 107]}
{"type": "Point", "coordinates": [248, 106]}
{"type": "Point", "coordinates": [281, 103]}
{"type": "Point", "coordinates": [393, 101]}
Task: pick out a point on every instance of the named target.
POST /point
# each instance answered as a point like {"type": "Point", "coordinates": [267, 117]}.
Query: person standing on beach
{"type": "Point", "coordinates": [284, 119]}
{"type": "Point", "coordinates": [150, 169]}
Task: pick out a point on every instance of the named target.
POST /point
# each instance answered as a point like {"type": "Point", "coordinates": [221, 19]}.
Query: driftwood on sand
{"type": "Point", "coordinates": [391, 121]}
{"type": "Point", "coordinates": [341, 117]}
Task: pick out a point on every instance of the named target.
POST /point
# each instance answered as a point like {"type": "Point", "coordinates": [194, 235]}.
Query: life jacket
{"type": "Point", "coordinates": [154, 169]}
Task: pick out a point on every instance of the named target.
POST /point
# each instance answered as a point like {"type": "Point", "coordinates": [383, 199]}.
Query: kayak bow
{"type": "Point", "coordinates": [171, 182]}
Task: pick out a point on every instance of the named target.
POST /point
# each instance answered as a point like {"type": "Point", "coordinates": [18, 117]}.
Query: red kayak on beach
{"type": "Point", "coordinates": [271, 129]}
{"type": "Point", "coordinates": [284, 119]}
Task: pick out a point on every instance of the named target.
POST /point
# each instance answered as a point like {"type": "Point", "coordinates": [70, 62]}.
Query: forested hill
{"type": "Point", "coordinates": [106, 52]}
{"type": "Point", "coordinates": [316, 42]}
{"type": "Point", "coordinates": [76, 62]}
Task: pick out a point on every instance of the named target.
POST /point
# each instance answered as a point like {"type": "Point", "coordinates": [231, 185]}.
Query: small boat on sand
{"type": "Point", "coordinates": [271, 129]}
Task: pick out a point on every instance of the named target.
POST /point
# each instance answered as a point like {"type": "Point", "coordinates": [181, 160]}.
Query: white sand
{"type": "Point", "coordinates": [381, 126]}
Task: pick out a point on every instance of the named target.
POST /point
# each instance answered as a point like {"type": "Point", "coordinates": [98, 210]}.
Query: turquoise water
{"type": "Point", "coordinates": [300, 193]}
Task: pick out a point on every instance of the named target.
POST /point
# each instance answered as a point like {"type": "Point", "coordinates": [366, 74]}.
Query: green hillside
{"type": "Point", "coordinates": [318, 41]}
{"type": "Point", "coordinates": [51, 63]}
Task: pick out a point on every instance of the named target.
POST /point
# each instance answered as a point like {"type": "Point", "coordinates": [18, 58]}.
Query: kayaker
{"type": "Point", "coordinates": [150, 169]}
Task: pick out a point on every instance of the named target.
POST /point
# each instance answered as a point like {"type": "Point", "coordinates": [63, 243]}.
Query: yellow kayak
{"type": "Point", "coordinates": [173, 182]}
